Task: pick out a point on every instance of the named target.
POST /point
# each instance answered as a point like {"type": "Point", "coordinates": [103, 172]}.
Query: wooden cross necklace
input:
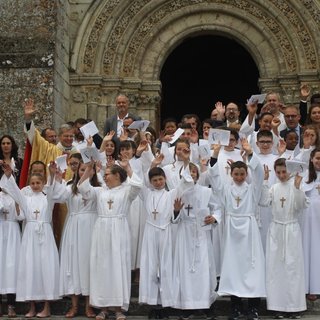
{"type": "Point", "coordinates": [155, 212]}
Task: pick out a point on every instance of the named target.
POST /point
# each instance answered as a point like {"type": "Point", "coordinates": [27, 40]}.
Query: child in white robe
{"type": "Point", "coordinates": [10, 243]}
{"type": "Point", "coordinates": [137, 217]}
{"type": "Point", "coordinates": [194, 274]}
{"type": "Point", "coordinates": [311, 227]}
{"type": "Point", "coordinates": [76, 240]}
{"type": "Point", "coordinates": [110, 265]}
{"type": "Point", "coordinates": [285, 281]}
{"type": "Point", "coordinates": [267, 158]}
{"type": "Point", "coordinates": [243, 261]}
{"type": "Point", "coordinates": [38, 271]}
{"type": "Point", "coordinates": [156, 278]}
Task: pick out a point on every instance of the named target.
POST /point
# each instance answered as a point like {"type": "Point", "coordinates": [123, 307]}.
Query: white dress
{"type": "Point", "coordinates": [75, 241]}
{"type": "Point", "coordinates": [110, 265]}
{"type": "Point", "coordinates": [10, 243]}
{"type": "Point", "coordinates": [311, 236]}
{"type": "Point", "coordinates": [194, 274]}
{"type": "Point", "coordinates": [38, 271]}
{"type": "Point", "coordinates": [285, 280]}
{"type": "Point", "coordinates": [243, 261]}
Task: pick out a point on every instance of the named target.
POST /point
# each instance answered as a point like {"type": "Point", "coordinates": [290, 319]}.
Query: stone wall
{"type": "Point", "coordinates": [27, 50]}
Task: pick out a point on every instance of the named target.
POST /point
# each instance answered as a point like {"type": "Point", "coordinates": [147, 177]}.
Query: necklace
{"type": "Point", "coordinates": [155, 212]}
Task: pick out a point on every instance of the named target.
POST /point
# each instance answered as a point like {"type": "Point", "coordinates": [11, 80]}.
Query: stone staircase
{"type": "Point", "coordinates": [221, 308]}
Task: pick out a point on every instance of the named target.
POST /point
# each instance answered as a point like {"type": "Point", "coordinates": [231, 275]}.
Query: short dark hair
{"type": "Point", "coordinates": [279, 163]}
{"type": "Point", "coordinates": [156, 171]}
{"type": "Point", "coordinates": [264, 133]}
{"type": "Point", "coordinates": [239, 165]}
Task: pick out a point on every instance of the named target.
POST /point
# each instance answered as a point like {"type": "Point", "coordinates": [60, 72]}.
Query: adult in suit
{"type": "Point", "coordinates": [292, 118]}
{"type": "Point", "coordinates": [115, 122]}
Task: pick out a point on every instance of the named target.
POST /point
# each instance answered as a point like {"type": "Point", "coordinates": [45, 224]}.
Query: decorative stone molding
{"type": "Point", "coordinates": [123, 45]}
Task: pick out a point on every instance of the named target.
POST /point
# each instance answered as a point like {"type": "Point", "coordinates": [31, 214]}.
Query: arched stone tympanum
{"type": "Point", "coordinates": [122, 45]}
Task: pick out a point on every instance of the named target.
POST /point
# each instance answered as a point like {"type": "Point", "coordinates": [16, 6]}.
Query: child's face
{"type": "Point", "coordinates": [158, 182]}
{"type": "Point", "coordinates": [127, 152]}
{"type": "Point", "coordinates": [265, 122]}
{"type": "Point", "coordinates": [82, 169]}
{"type": "Point", "coordinates": [36, 184]}
{"type": "Point", "coordinates": [109, 148]}
{"type": "Point", "coordinates": [239, 175]}
{"type": "Point", "coordinates": [265, 145]}
{"type": "Point", "coordinates": [186, 134]}
{"type": "Point", "coordinates": [282, 173]}
{"type": "Point", "coordinates": [291, 140]}
{"type": "Point", "coordinates": [316, 161]}
{"type": "Point", "coordinates": [179, 149]}
{"type": "Point", "coordinates": [74, 163]}
{"type": "Point", "coordinates": [194, 174]}
{"type": "Point", "coordinates": [232, 143]}
{"type": "Point", "coordinates": [170, 128]}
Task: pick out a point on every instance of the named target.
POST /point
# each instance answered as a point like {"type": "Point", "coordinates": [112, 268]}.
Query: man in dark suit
{"type": "Point", "coordinates": [115, 122]}
{"type": "Point", "coordinates": [292, 117]}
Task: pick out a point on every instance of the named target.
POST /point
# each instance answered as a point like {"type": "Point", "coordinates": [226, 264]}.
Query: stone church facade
{"type": "Point", "coordinates": [74, 56]}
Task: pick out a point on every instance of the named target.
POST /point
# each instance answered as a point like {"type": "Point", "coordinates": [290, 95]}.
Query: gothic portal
{"type": "Point", "coordinates": [122, 46]}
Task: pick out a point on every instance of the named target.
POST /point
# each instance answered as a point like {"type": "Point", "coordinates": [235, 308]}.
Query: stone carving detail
{"type": "Point", "coordinates": [78, 95]}
{"type": "Point", "coordinates": [263, 16]}
{"type": "Point", "coordinates": [313, 9]}
{"type": "Point", "coordinates": [119, 29]}
{"type": "Point", "coordinates": [301, 31]}
{"type": "Point", "coordinates": [137, 39]}
{"type": "Point", "coordinates": [94, 95]}
{"type": "Point", "coordinates": [95, 34]}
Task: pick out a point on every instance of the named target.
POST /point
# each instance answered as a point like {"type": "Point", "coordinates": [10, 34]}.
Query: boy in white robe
{"type": "Point", "coordinates": [267, 158]}
{"type": "Point", "coordinates": [285, 281]}
{"type": "Point", "coordinates": [156, 267]}
{"type": "Point", "coordinates": [243, 261]}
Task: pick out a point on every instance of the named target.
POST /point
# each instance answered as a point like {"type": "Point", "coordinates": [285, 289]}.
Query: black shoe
{"type": "Point", "coordinates": [253, 314]}
{"type": "Point", "coordinates": [235, 315]}
{"type": "Point", "coordinates": [295, 315]}
{"type": "Point", "coordinates": [279, 315]}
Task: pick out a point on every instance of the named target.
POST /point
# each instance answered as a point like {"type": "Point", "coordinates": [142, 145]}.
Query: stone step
{"type": "Point", "coordinates": [221, 308]}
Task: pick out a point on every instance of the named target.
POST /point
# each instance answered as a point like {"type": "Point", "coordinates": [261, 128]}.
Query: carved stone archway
{"type": "Point", "coordinates": [122, 45]}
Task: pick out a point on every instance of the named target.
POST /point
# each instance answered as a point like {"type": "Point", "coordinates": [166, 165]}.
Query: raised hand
{"type": "Point", "coordinates": [6, 168]}
{"type": "Point", "coordinates": [29, 109]}
{"type": "Point", "coordinates": [109, 135]}
{"type": "Point", "coordinates": [297, 180]}
{"type": "Point", "coordinates": [178, 204]}
{"type": "Point", "coordinates": [246, 146]}
{"type": "Point", "coordinates": [221, 109]}
{"type": "Point", "coordinates": [305, 91]}
{"type": "Point", "coordinates": [282, 146]}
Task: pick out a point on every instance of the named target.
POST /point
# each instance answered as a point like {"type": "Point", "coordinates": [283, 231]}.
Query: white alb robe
{"type": "Point", "coordinates": [285, 282]}
{"type": "Point", "coordinates": [311, 236]}
{"type": "Point", "coordinates": [243, 261]}
{"type": "Point", "coordinates": [10, 243]}
{"type": "Point", "coordinates": [38, 271]}
{"type": "Point", "coordinates": [194, 274]}
{"type": "Point", "coordinates": [75, 244]}
{"type": "Point", "coordinates": [110, 265]}
{"type": "Point", "coordinates": [156, 266]}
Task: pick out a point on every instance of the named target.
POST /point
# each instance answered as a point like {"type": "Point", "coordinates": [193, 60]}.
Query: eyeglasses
{"type": "Point", "coordinates": [264, 141]}
{"type": "Point", "coordinates": [290, 116]}
{"type": "Point", "coordinates": [73, 163]}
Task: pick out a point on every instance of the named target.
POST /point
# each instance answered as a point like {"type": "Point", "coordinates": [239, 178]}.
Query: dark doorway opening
{"type": "Point", "coordinates": [203, 70]}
